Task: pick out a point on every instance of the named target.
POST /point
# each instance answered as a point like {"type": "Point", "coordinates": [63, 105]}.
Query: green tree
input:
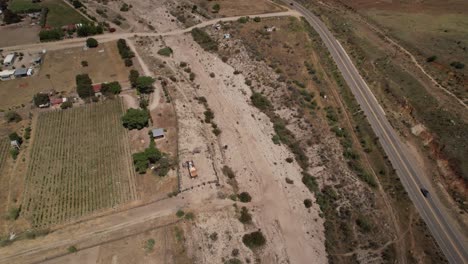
{"type": "Point", "coordinates": [135, 119]}
{"type": "Point", "coordinates": [92, 43]}
{"type": "Point", "coordinates": [84, 86]}
{"type": "Point", "coordinates": [66, 105]}
{"type": "Point", "coordinates": [133, 77]}
{"type": "Point", "coordinates": [166, 51]}
{"type": "Point", "coordinates": [51, 34]}
{"type": "Point", "coordinates": [111, 88]}
{"type": "Point", "coordinates": [89, 30]}
{"type": "Point", "coordinates": [153, 154]}
{"type": "Point", "coordinates": [245, 197]}
{"type": "Point", "coordinates": [141, 162]}
{"type": "Point", "coordinates": [144, 84]}
{"type": "Point", "coordinates": [14, 136]}
{"type": "Point", "coordinates": [41, 99]}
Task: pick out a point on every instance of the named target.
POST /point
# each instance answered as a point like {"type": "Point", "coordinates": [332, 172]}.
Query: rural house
{"type": "Point", "coordinates": [21, 72]}
{"type": "Point", "coordinates": [157, 133]}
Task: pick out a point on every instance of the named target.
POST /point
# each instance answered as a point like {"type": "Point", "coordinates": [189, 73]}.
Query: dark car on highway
{"type": "Point", "coordinates": [425, 192]}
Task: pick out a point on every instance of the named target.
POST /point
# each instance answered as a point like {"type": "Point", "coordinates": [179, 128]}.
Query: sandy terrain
{"type": "Point", "coordinates": [257, 162]}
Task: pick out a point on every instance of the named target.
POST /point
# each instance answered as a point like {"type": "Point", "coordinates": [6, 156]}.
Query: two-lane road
{"type": "Point", "coordinates": [450, 239]}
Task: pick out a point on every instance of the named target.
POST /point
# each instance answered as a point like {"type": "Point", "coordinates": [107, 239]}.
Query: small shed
{"type": "Point", "coordinates": [9, 59]}
{"type": "Point", "coordinates": [21, 72]}
{"type": "Point", "coordinates": [15, 144]}
{"type": "Point", "coordinates": [157, 133]}
{"type": "Point", "coordinates": [6, 74]}
{"type": "Point", "coordinates": [56, 101]}
{"type": "Point", "coordinates": [37, 60]}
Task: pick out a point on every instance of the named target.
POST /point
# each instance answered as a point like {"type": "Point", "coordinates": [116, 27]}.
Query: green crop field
{"type": "Point", "coordinates": [80, 162]}
{"type": "Point", "coordinates": [60, 13]}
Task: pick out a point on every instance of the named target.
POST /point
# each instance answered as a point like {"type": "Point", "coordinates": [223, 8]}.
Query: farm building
{"type": "Point", "coordinates": [57, 101]}
{"type": "Point", "coordinates": [97, 89]}
{"type": "Point", "coordinates": [9, 59]}
{"type": "Point", "coordinates": [21, 72]}
{"type": "Point", "coordinates": [157, 133]}
{"type": "Point", "coordinates": [37, 60]}
{"type": "Point", "coordinates": [6, 74]}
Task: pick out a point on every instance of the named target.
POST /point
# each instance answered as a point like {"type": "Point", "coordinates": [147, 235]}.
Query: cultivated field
{"type": "Point", "coordinates": [80, 162]}
{"type": "Point", "coordinates": [59, 14]}
{"type": "Point", "coordinates": [59, 70]}
{"type": "Point", "coordinates": [4, 147]}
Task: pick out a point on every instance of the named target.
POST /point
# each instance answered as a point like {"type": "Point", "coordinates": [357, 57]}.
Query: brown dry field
{"type": "Point", "coordinates": [18, 34]}
{"type": "Point", "coordinates": [104, 65]}
{"type": "Point", "coordinates": [240, 7]}
{"type": "Point", "coordinates": [168, 248]}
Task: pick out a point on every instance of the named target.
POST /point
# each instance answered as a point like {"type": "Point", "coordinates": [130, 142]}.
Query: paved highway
{"type": "Point", "coordinates": [450, 239]}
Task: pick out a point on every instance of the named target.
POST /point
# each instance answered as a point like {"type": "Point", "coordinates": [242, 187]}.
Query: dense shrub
{"type": "Point", "coordinates": [41, 99]}
{"type": "Point", "coordinates": [77, 4]}
{"type": "Point", "coordinates": [66, 105]}
{"type": "Point", "coordinates": [84, 86]}
{"type": "Point", "coordinates": [89, 30]}
{"type": "Point", "coordinates": [166, 51]}
{"type": "Point", "coordinates": [92, 43]}
{"type": "Point", "coordinates": [12, 116]}
{"type": "Point", "coordinates": [308, 203]}
{"type": "Point", "coordinates": [310, 182]}
{"type": "Point", "coordinates": [260, 101]}
{"type": "Point", "coordinates": [204, 40]}
{"type": "Point", "coordinates": [431, 58]}
{"type": "Point", "coordinates": [245, 216]}
{"type": "Point", "coordinates": [133, 77]}
{"type": "Point", "coordinates": [245, 197]}
{"type": "Point", "coordinates": [111, 88]}
{"type": "Point", "coordinates": [144, 84]}
{"type": "Point", "coordinates": [457, 65]}
{"type": "Point", "coordinates": [254, 240]}
{"type": "Point", "coordinates": [124, 50]}
{"type": "Point", "coordinates": [135, 119]}
{"type": "Point", "coordinates": [51, 34]}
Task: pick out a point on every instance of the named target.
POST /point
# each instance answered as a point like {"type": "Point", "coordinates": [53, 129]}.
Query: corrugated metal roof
{"type": "Point", "coordinates": [158, 132]}
{"type": "Point", "coordinates": [21, 71]}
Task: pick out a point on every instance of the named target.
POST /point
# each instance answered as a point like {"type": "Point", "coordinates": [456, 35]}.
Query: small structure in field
{"type": "Point", "coordinates": [191, 168]}
{"type": "Point", "coordinates": [227, 36]}
{"type": "Point", "coordinates": [9, 59]}
{"type": "Point", "coordinates": [37, 60]}
{"type": "Point", "coordinates": [157, 133]}
{"type": "Point", "coordinates": [6, 74]}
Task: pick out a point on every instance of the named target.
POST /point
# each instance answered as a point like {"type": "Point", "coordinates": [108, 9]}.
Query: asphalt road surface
{"type": "Point", "coordinates": [450, 239]}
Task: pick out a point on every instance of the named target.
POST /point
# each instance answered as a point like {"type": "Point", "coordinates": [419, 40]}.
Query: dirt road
{"type": "Point", "coordinates": [77, 42]}
{"type": "Point", "coordinates": [106, 228]}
